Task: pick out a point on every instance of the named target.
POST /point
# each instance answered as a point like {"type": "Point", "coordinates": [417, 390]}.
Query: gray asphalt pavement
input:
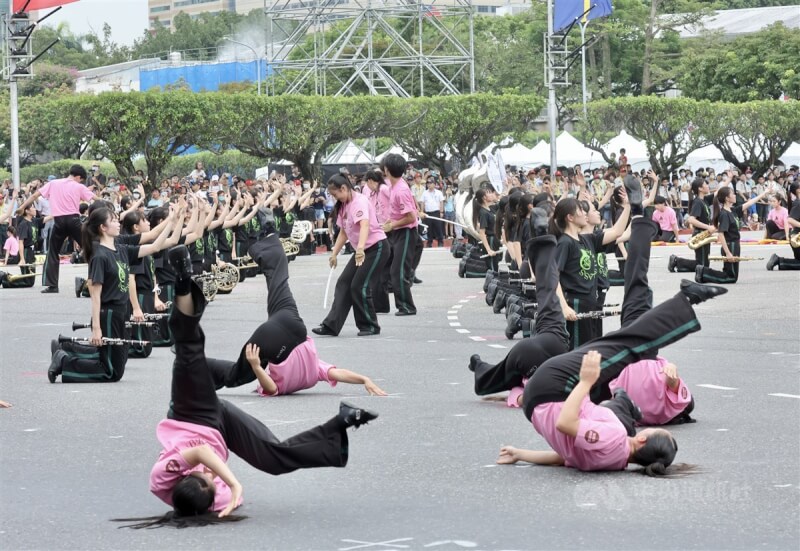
{"type": "Point", "coordinates": [422, 476]}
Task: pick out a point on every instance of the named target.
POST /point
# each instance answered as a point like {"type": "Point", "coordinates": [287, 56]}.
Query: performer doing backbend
{"type": "Point", "coordinates": [556, 399]}
{"type": "Point", "coordinates": [191, 473]}
{"type": "Point", "coordinates": [287, 360]}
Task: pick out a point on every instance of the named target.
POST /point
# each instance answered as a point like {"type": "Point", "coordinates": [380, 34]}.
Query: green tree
{"type": "Point", "coordinates": [47, 125]}
{"type": "Point", "coordinates": [461, 126]}
{"type": "Point", "coordinates": [672, 128]}
{"type": "Point", "coordinates": [48, 78]}
{"type": "Point", "coordinates": [754, 134]}
{"type": "Point", "coordinates": [761, 65]}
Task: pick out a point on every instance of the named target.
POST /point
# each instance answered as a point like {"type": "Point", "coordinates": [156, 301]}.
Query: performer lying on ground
{"type": "Point", "coordinates": [556, 398]}
{"type": "Point", "coordinates": [288, 360]}
{"type": "Point", "coordinates": [191, 473]}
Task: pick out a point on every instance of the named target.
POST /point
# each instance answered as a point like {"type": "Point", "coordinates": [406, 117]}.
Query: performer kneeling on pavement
{"type": "Point", "coordinates": [592, 437]}
{"type": "Point", "coordinates": [551, 338]}
{"type": "Point", "coordinates": [361, 277]}
{"type": "Point", "coordinates": [191, 473]}
{"type": "Point", "coordinates": [792, 228]}
{"type": "Point", "coordinates": [113, 292]}
{"type": "Point", "coordinates": [287, 358]}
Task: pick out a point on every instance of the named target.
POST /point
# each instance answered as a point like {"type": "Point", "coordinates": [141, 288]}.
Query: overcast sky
{"type": "Point", "coordinates": [128, 18]}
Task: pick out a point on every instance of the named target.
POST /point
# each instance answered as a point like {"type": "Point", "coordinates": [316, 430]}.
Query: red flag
{"type": "Point", "coordinates": [39, 4]}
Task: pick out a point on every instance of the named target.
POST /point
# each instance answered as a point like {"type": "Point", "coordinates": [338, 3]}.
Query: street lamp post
{"type": "Point", "coordinates": [255, 53]}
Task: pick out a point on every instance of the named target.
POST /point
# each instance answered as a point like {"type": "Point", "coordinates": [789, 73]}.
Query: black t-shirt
{"type": "Point", "coordinates": [144, 270]}
{"type": "Point", "coordinates": [25, 231]}
{"type": "Point", "coordinates": [729, 223]}
{"type": "Point", "coordinates": [577, 263]}
{"type": "Point", "coordinates": [211, 245]}
{"type": "Point", "coordinates": [318, 199]}
{"type": "Point", "coordinates": [524, 233]}
{"type": "Point", "coordinates": [486, 221]}
{"type": "Point", "coordinates": [254, 228]}
{"type": "Point", "coordinates": [129, 239]}
{"type": "Point", "coordinates": [794, 214]}
{"type": "Point", "coordinates": [700, 212]}
{"type": "Point", "coordinates": [603, 283]}
{"type": "Point", "coordinates": [111, 269]}
{"type": "Point", "coordinates": [224, 239]}
{"type": "Point", "coordinates": [242, 233]}
{"type": "Point", "coordinates": [197, 248]}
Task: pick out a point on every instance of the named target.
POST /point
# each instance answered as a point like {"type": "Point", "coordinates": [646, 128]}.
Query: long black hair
{"type": "Point", "coordinates": [500, 216]}
{"type": "Point", "coordinates": [90, 232]}
{"type": "Point", "coordinates": [477, 204]}
{"type": "Point", "coordinates": [338, 181]}
{"type": "Point", "coordinates": [719, 202]}
{"type": "Point", "coordinates": [791, 197]}
{"type": "Point", "coordinates": [511, 221]}
{"type": "Point", "coordinates": [176, 520]}
{"type": "Point", "coordinates": [558, 222]}
{"type": "Point", "coordinates": [696, 185]}
{"type": "Point", "coordinates": [131, 219]}
{"type": "Point", "coordinates": [657, 453]}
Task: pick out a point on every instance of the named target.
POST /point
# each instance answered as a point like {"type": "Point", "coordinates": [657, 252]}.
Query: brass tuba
{"type": "Point", "coordinates": [701, 239]}
{"type": "Point", "coordinates": [289, 246]}
{"type": "Point", "coordinates": [794, 240]}
{"type": "Point", "coordinates": [227, 276]}
{"type": "Point", "coordinates": [301, 230]}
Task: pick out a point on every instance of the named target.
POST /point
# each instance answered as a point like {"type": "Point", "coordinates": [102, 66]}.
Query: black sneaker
{"type": "Point", "coordinates": [55, 365]}
{"type": "Point", "coordinates": [79, 281]}
{"type": "Point", "coordinates": [353, 416]}
{"type": "Point", "coordinates": [323, 330]}
{"type": "Point", "coordinates": [673, 263]}
{"type": "Point", "coordinates": [47, 290]}
{"type": "Point", "coordinates": [368, 332]}
{"type": "Point", "coordinates": [773, 261]}
{"type": "Point", "coordinates": [697, 293]}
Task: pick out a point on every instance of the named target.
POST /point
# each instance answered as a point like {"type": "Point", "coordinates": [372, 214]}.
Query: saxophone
{"type": "Point", "coordinates": [701, 239]}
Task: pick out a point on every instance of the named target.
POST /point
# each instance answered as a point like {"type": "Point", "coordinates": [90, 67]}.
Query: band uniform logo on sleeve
{"type": "Point", "coordinates": [684, 393]}
{"type": "Point", "coordinates": [591, 436]}
{"type": "Point", "coordinates": [173, 466]}
{"type": "Point", "coordinates": [359, 214]}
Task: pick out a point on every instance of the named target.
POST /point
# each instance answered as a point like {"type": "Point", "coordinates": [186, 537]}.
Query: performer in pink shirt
{"type": "Point", "coordinates": [65, 196]}
{"type": "Point", "coordinates": [191, 473]}
{"type": "Point", "coordinates": [655, 387]}
{"type": "Point", "coordinates": [357, 283]}
{"type": "Point", "coordinates": [402, 223]}
{"type": "Point", "coordinates": [667, 220]}
{"type": "Point", "coordinates": [776, 219]}
{"type": "Point", "coordinates": [285, 360]}
{"type": "Point", "coordinates": [556, 398]}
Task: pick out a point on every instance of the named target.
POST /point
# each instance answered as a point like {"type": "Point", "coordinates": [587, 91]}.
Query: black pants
{"type": "Point", "coordinates": [435, 228]}
{"type": "Point", "coordinates": [730, 270]}
{"type": "Point", "coordinates": [773, 231]}
{"type": "Point", "coordinates": [354, 289]}
{"type": "Point", "coordinates": [106, 364]}
{"type": "Point", "coordinates": [666, 236]}
{"type": "Point", "coordinates": [162, 334]}
{"type": "Point", "coordinates": [404, 247]}
{"type": "Point", "coordinates": [380, 296]}
{"type": "Point", "coordinates": [194, 400]}
{"type": "Point", "coordinates": [64, 227]}
{"type": "Point", "coordinates": [492, 262]}
{"type": "Point", "coordinates": [283, 330]}
{"type": "Point", "coordinates": [644, 332]}
{"type": "Point", "coordinates": [582, 331]}
{"type": "Point", "coordinates": [142, 332]}
{"type": "Point", "coordinates": [788, 263]}
{"type": "Point", "coordinates": [551, 337]}
{"type": "Point", "coordinates": [701, 255]}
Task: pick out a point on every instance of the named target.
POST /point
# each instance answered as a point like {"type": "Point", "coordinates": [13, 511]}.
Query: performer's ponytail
{"type": "Point", "coordinates": [477, 205]}
{"type": "Point", "coordinates": [91, 233]}
{"type": "Point", "coordinates": [719, 200]}
{"type": "Point", "coordinates": [558, 222]}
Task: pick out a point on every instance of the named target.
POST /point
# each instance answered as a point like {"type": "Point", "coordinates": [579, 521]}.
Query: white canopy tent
{"type": "Point", "coordinates": [708, 156]}
{"type": "Point", "coordinates": [792, 155]}
{"type": "Point", "coordinates": [635, 150]}
{"type": "Point", "coordinates": [516, 155]}
{"type": "Point", "coordinates": [572, 152]}
{"type": "Point", "coordinates": [348, 153]}
{"type": "Point", "coordinates": [397, 150]}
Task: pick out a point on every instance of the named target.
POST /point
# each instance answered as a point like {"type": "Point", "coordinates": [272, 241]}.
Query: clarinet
{"type": "Point", "coordinates": [598, 314]}
{"type": "Point", "coordinates": [128, 324]}
{"type": "Point", "coordinates": [107, 341]}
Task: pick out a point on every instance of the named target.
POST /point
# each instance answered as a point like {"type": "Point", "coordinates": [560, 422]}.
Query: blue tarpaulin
{"type": "Point", "coordinates": [202, 77]}
{"type": "Point", "coordinates": [565, 11]}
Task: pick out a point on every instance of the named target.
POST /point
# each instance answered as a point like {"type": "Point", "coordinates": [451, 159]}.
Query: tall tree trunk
{"type": "Point", "coordinates": [649, 37]}
{"type": "Point", "coordinates": [606, 60]}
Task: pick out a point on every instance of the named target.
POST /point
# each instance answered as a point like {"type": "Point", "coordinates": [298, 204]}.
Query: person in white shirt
{"type": "Point", "coordinates": [433, 205]}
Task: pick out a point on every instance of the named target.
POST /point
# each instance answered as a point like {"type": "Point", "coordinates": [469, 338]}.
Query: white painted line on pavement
{"type": "Point", "coordinates": [723, 430]}
{"type": "Point", "coordinates": [455, 324]}
{"type": "Point", "coordinates": [479, 339]}
{"type": "Point", "coordinates": [452, 317]}
{"type": "Point", "coordinates": [462, 331]}
{"type": "Point", "coordinates": [451, 312]}
{"type": "Point", "coordinates": [471, 296]}
{"type": "Point", "coordinates": [464, 300]}
{"type": "Point", "coordinates": [782, 395]}
{"type": "Point", "coordinates": [457, 306]}
{"type": "Point", "coordinates": [717, 387]}
{"type": "Point", "coordinates": [496, 346]}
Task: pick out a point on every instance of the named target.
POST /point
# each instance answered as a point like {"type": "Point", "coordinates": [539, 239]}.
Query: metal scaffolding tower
{"type": "Point", "coordinates": [398, 48]}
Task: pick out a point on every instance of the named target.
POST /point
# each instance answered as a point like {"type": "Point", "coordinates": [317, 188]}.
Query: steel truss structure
{"type": "Point", "coordinates": [399, 48]}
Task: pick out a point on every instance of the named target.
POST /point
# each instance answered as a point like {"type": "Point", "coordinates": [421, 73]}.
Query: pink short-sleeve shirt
{"type": "Point", "coordinates": [601, 443]}
{"type": "Point", "coordinates": [646, 384]}
{"type": "Point", "coordinates": [778, 216]}
{"type": "Point", "coordinates": [171, 467]}
{"type": "Point", "coordinates": [380, 202]}
{"type": "Point", "coordinates": [666, 220]}
{"type": "Point", "coordinates": [302, 369]}
{"type": "Point", "coordinates": [350, 216]}
{"type": "Point", "coordinates": [401, 202]}
{"type": "Point", "coordinates": [65, 196]}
